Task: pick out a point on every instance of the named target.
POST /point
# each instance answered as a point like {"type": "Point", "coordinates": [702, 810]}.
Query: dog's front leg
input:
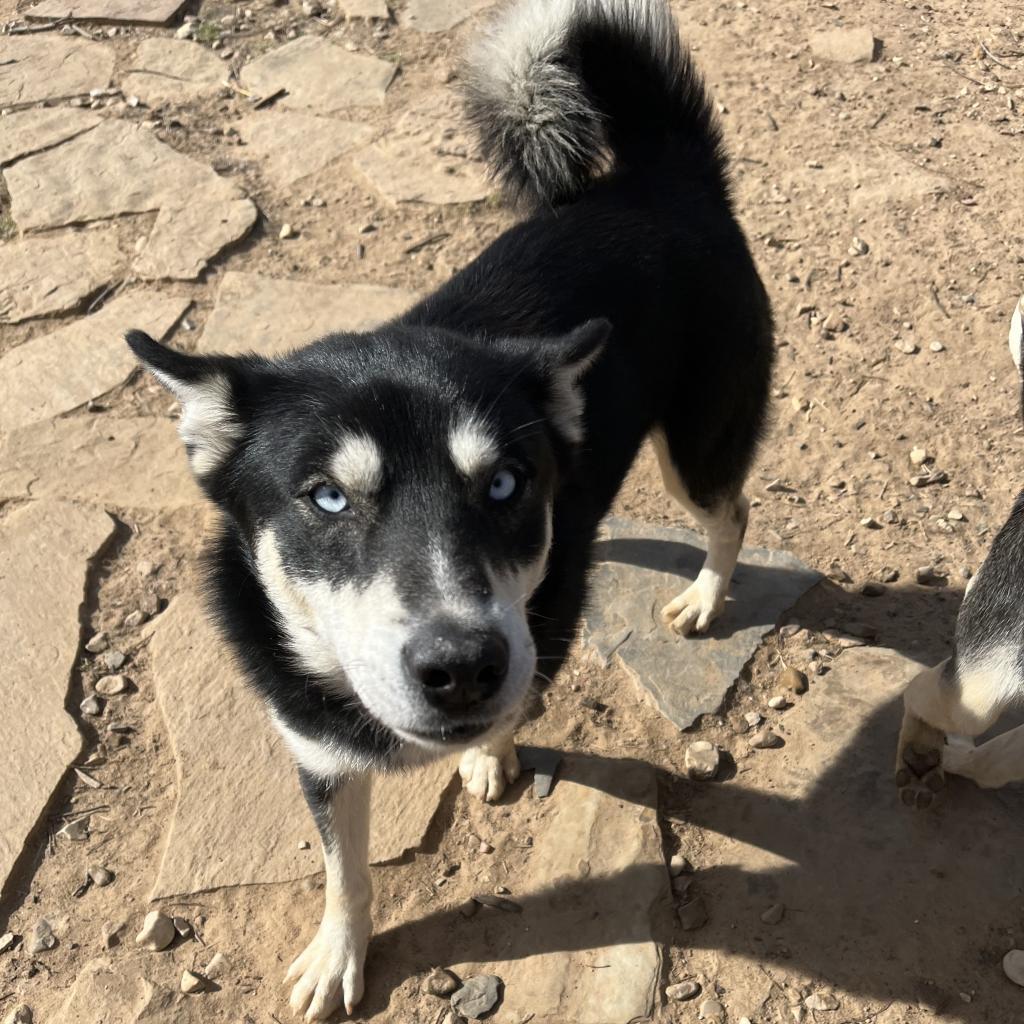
{"type": "Point", "coordinates": [329, 971]}
{"type": "Point", "coordinates": [488, 768]}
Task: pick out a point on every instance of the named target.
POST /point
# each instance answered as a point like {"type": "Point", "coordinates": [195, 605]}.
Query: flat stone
{"type": "Point", "coordinates": [186, 237]}
{"type": "Point", "coordinates": [115, 168]}
{"type": "Point", "coordinates": [701, 760]}
{"type": "Point", "coordinates": [64, 369]}
{"type": "Point", "coordinates": [845, 46]}
{"type": "Point", "coordinates": [123, 991]}
{"type": "Point", "coordinates": [44, 554]}
{"type": "Point", "coordinates": [711, 1009]}
{"type": "Point", "coordinates": [289, 146]}
{"type": "Point", "coordinates": [440, 15]}
{"type": "Point", "coordinates": [683, 991]}
{"type": "Point", "coordinates": [173, 71]}
{"type": "Point", "coordinates": [29, 131]}
{"type": "Point", "coordinates": [41, 938]}
{"type": "Point", "coordinates": [131, 463]}
{"type": "Point", "coordinates": [133, 12]}
{"type": "Point", "coordinates": [543, 762]}
{"type": "Point", "coordinates": [52, 273]}
{"type": "Point", "coordinates": [426, 159]}
{"type": "Point", "coordinates": [221, 835]}
{"type": "Point", "coordinates": [50, 67]}
{"type": "Point", "coordinates": [111, 686]}
{"type": "Point", "coordinates": [478, 996]}
{"type": "Point", "coordinates": [602, 812]}
{"type": "Point", "coordinates": [319, 76]}
{"type": "Point", "coordinates": [638, 569]}
{"type": "Point", "coordinates": [369, 9]}
{"type": "Point", "coordinates": [1013, 966]}
{"type": "Point", "coordinates": [250, 310]}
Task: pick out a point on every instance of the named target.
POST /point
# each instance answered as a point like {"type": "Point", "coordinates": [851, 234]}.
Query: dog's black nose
{"type": "Point", "coordinates": [457, 667]}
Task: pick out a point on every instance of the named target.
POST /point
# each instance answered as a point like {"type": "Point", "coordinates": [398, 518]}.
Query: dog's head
{"type": "Point", "coordinates": [394, 495]}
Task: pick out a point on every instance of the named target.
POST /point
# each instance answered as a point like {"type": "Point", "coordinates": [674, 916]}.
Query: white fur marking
{"type": "Point", "coordinates": [472, 446]}
{"type": "Point", "coordinates": [357, 464]}
{"type": "Point", "coordinates": [1017, 332]}
{"type": "Point", "coordinates": [208, 425]}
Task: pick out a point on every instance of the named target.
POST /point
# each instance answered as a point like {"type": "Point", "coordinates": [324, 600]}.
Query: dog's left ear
{"type": "Point", "coordinates": [568, 359]}
{"type": "Point", "coordinates": [210, 425]}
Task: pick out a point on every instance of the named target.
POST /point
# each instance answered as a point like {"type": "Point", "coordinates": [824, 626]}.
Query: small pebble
{"type": "Point", "coordinates": [185, 31]}
{"type": "Point", "coordinates": [110, 933]}
{"type": "Point", "coordinates": [765, 740]}
{"type": "Point", "coordinates": [908, 348]}
{"type": "Point", "coordinates": [753, 719]}
{"type": "Point", "coordinates": [485, 847]}
{"type": "Point", "coordinates": [91, 706]}
{"type": "Point", "coordinates": [469, 908]}
{"type": "Point", "coordinates": [42, 938]}
{"type": "Point", "coordinates": [7, 941]}
{"type": "Point", "coordinates": [778, 702]}
{"type": "Point", "coordinates": [956, 515]}
{"type": "Point", "coordinates": [440, 982]}
{"type": "Point", "coordinates": [682, 991]}
{"type": "Point", "coordinates": [937, 346]}
{"type": "Point", "coordinates": [858, 247]}
{"type": "Point", "coordinates": [919, 456]}
{"type": "Point", "coordinates": [76, 830]}
{"type": "Point", "coordinates": [711, 1009]}
{"type": "Point", "coordinates": [112, 660]}
{"type": "Point", "coordinates": [1013, 966]}
{"type": "Point", "coordinates": [97, 643]}
{"type": "Point", "coordinates": [926, 576]}
{"type": "Point", "coordinates": [303, 844]}
{"type": "Point", "coordinates": [157, 932]}
{"type": "Point", "coordinates": [191, 983]}
{"type": "Point", "coordinates": [100, 876]}
{"type": "Point", "coordinates": [478, 996]}
{"type": "Point", "coordinates": [793, 679]}
{"type": "Point", "coordinates": [701, 760]}
{"type": "Point", "coordinates": [182, 926]}
{"type": "Point", "coordinates": [287, 231]}
{"type": "Point", "coordinates": [693, 915]}
{"type": "Point", "coordinates": [110, 686]}
{"type": "Point", "coordinates": [889, 575]}
{"type": "Point", "coordinates": [217, 967]}
{"type": "Point", "coordinates": [774, 914]}
{"type": "Point", "coordinates": [821, 1001]}
{"type": "Point", "coordinates": [135, 619]}
{"type": "Point", "coordinates": [679, 865]}
{"type": "Point", "coordinates": [22, 1015]}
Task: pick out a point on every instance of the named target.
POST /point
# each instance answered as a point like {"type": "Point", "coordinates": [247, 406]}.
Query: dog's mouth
{"type": "Point", "coordinates": [453, 735]}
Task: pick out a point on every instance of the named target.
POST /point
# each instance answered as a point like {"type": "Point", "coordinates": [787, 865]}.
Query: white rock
{"type": "Point", "coordinates": [682, 991]}
{"type": "Point", "coordinates": [191, 983]}
{"type": "Point", "coordinates": [109, 686]}
{"type": "Point", "coordinates": [821, 1001]}
{"type": "Point", "coordinates": [701, 760]}
{"type": "Point", "coordinates": [217, 967]}
{"type": "Point", "coordinates": [1013, 966]}
{"type": "Point", "coordinates": [287, 231]}
{"type": "Point", "coordinates": [157, 932]}
{"type": "Point", "coordinates": [778, 702]}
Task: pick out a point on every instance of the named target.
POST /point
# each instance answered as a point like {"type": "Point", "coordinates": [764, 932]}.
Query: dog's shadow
{"type": "Point", "coordinates": [883, 901]}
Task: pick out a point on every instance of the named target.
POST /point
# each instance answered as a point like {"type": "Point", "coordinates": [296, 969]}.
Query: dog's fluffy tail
{"type": "Point", "coordinates": [562, 90]}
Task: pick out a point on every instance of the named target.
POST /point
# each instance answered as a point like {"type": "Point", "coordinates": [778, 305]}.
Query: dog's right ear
{"type": "Point", "coordinates": [209, 425]}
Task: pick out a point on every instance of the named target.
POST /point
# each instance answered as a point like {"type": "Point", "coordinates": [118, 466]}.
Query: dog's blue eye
{"type": "Point", "coordinates": [329, 498]}
{"type": "Point", "coordinates": [503, 485]}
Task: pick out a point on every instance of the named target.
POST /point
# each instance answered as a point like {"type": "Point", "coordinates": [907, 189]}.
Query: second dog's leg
{"type": "Point", "coordinates": [329, 971]}
{"type": "Point", "coordinates": [724, 524]}
{"type": "Point", "coordinates": [996, 763]}
{"type": "Point", "coordinates": [488, 768]}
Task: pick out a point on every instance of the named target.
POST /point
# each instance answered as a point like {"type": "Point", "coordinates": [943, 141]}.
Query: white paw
{"type": "Point", "coordinates": [694, 609]}
{"type": "Point", "coordinates": [329, 971]}
{"type": "Point", "coordinates": [485, 775]}
{"type": "Point", "coordinates": [958, 755]}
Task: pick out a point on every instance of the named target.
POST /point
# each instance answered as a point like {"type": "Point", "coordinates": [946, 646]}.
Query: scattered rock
{"type": "Point", "coordinates": [711, 1009]}
{"type": "Point", "coordinates": [287, 231]}
{"type": "Point", "coordinates": [97, 643]}
{"type": "Point", "coordinates": [774, 914]}
{"type": "Point", "coordinates": [778, 702]}
{"type": "Point", "coordinates": [845, 46]}
{"type": "Point", "coordinates": [858, 247]}
{"type": "Point", "coordinates": [679, 865]}
{"type": "Point", "coordinates": [100, 876]}
{"type": "Point", "coordinates": [701, 760]}
{"type": "Point", "coordinates": [753, 719]}
{"type": "Point", "coordinates": [135, 619]}
{"type": "Point", "coordinates": [928, 576]}
{"type": "Point", "coordinates": [871, 523]}
{"type": "Point", "coordinates": [544, 762]}
{"type": "Point", "coordinates": [22, 1014]}
{"type": "Point", "coordinates": [41, 938]}
{"type": "Point", "coordinates": [217, 967]}
{"type": "Point", "coordinates": [956, 515]}
{"type": "Point", "coordinates": [157, 932]}
{"type": "Point", "coordinates": [908, 348]}
{"type": "Point", "coordinates": [469, 908]}
{"type": "Point", "coordinates": [91, 706]}
{"type": "Point", "coordinates": [76, 830]}
{"type": "Point", "coordinates": [110, 686]}
{"type": "Point", "coordinates": [111, 660]}
{"type": "Point", "coordinates": [937, 346]}
{"type": "Point", "coordinates": [821, 1001]}
{"type": "Point", "coordinates": [182, 927]}
{"type": "Point", "coordinates": [1013, 966]}
{"type": "Point", "coordinates": [191, 983]}
{"type": "Point", "coordinates": [919, 456]}
{"type": "Point", "coordinates": [682, 991]}
{"type": "Point", "coordinates": [440, 982]}
{"type": "Point", "coordinates": [766, 740]}
{"type": "Point", "coordinates": [693, 915]}
{"type": "Point", "coordinates": [478, 996]}
{"type": "Point", "coordinates": [8, 941]}
{"type": "Point", "coordinates": [793, 679]}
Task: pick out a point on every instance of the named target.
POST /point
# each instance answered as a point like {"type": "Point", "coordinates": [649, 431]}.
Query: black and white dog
{"type": "Point", "coordinates": [947, 706]}
{"type": "Point", "coordinates": [409, 513]}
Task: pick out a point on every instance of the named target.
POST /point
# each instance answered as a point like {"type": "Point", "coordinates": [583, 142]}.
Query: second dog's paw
{"type": "Point", "coordinates": [485, 774]}
{"type": "Point", "coordinates": [693, 610]}
{"type": "Point", "coordinates": [328, 972]}
{"type": "Point", "coordinates": [919, 762]}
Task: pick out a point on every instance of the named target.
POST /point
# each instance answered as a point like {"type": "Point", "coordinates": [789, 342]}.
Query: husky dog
{"type": "Point", "coordinates": [408, 513]}
{"type": "Point", "coordinates": [945, 707]}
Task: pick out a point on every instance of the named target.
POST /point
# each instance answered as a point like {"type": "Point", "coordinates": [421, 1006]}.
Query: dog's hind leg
{"type": "Point", "coordinates": [724, 521]}
{"type": "Point", "coordinates": [329, 972]}
{"type": "Point", "coordinates": [957, 697]}
{"type": "Point", "coordinates": [488, 768]}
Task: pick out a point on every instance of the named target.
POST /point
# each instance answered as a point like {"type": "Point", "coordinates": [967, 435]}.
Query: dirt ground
{"type": "Point", "coordinates": [919, 155]}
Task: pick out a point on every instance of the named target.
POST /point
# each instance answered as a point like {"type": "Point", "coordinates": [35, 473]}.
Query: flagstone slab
{"type": "Point", "coordinates": [639, 569]}
{"type": "Point", "coordinates": [319, 76]}
{"type": "Point", "coordinates": [594, 893]}
{"type": "Point", "coordinates": [50, 67]}
{"type": "Point", "coordinates": [289, 146]}
{"type": "Point", "coordinates": [116, 168]}
{"type": "Point", "coordinates": [173, 71]}
{"type": "Point", "coordinates": [186, 237]}
{"type": "Point", "coordinates": [427, 157]}
{"type": "Point", "coordinates": [29, 131]}
{"type": "Point", "coordinates": [240, 816]}
{"type": "Point", "coordinates": [44, 555]}
{"type": "Point", "coordinates": [441, 15]}
{"type": "Point", "coordinates": [272, 315]}
{"type": "Point", "coordinates": [138, 462]}
{"type": "Point", "coordinates": [52, 273]}
{"type": "Point", "coordinates": [123, 993]}
{"type": "Point", "coordinates": [62, 370]}
{"type": "Point", "coordinates": [133, 12]}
